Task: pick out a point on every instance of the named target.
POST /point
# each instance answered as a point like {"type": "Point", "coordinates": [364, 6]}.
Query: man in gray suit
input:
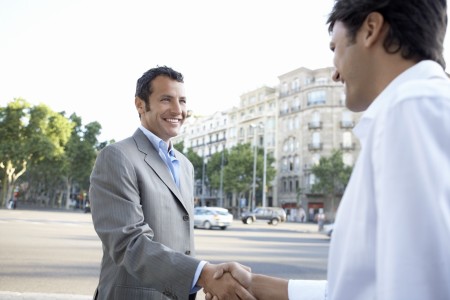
{"type": "Point", "coordinates": [142, 206]}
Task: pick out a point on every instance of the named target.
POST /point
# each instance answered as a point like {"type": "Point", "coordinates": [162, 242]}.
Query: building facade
{"type": "Point", "coordinates": [313, 121]}
{"type": "Point", "coordinates": [301, 120]}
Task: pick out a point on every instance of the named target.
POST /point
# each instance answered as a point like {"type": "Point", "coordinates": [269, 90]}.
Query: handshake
{"type": "Point", "coordinates": [229, 281]}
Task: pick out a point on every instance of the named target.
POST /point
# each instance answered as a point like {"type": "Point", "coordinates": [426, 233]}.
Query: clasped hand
{"type": "Point", "coordinates": [226, 281]}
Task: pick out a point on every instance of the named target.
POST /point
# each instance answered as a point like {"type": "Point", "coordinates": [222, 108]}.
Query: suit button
{"type": "Point", "coordinates": [187, 252]}
{"type": "Point", "coordinates": [186, 218]}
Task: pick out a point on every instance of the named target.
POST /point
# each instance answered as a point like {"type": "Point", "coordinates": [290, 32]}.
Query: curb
{"type": "Point", "coordinates": [4, 295]}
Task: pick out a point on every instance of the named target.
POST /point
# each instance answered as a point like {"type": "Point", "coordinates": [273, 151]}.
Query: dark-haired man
{"type": "Point", "coordinates": [142, 203]}
{"type": "Point", "coordinates": [391, 237]}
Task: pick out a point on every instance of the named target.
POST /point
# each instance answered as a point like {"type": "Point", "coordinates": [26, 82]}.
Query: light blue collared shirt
{"type": "Point", "coordinates": [167, 154]}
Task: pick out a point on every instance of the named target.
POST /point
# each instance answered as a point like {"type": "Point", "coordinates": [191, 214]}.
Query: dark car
{"type": "Point", "coordinates": [273, 215]}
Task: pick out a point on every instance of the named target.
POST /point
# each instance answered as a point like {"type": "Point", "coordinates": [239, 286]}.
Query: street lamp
{"type": "Point", "coordinates": [221, 180]}
{"type": "Point", "coordinates": [252, 205]}
{"type": "Point", "coordinates": [260, 125]}
{"type": "Point", "coordinates": [264, 167]}
{"type": "Point", "coordinates": [202, 201]}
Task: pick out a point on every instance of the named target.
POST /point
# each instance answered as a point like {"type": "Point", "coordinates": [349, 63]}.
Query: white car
{"type": "Point", "coordinates": [212, 217]}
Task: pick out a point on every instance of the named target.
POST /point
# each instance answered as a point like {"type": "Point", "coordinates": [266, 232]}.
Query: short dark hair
{"type": "Point", "coordinates": [417, 27]}
{"type": "Point", "coordinates": [144, 84]}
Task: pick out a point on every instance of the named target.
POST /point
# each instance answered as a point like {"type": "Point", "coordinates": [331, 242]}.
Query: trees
{"type": "Point", "coordinates": [40, 147]}
{"type": "Point", "coordinates": [80, 154]}
{"type": "Point", "coordinates": [47, 134]}
{"type": "Point", "coordinates": [13, 154]}
{"type": "Point", "coordinates": [332, 176]}
{"type": "Point", "coordinates": [231, 169]}
{"type": "Point", "coordinates": [237, 176]}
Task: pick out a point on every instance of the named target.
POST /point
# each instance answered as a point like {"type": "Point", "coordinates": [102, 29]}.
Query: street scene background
{"type": "Point", "coordinates": [58, 251]}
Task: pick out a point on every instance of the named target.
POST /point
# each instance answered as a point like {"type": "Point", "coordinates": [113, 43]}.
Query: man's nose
{"type": "Point", "coordinates": [336, 76]}
{"type": "Point", "coordinates": [176, 107]}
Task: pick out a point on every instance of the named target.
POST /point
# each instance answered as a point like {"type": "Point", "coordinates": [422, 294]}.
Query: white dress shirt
{"type": "Point", "coordinates": [391, 239]}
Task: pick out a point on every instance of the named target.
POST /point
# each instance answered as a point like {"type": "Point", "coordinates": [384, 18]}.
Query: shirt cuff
{"type": "Point", "coordinates": [307, 289]}
{"type": "Point", "coordinates": [195, 288]}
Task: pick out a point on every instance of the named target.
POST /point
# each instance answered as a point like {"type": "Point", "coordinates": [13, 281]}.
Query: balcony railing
{"type": "Point", "coordinates": [315, 125]}
{"type": "Point", "coordinates": [315, 146]}
{"type": "Point", "coordinates": [348, 146]}
{"type": "Point", "coordinates": [347, 124]}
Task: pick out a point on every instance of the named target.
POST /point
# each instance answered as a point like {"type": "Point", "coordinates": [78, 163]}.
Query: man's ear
{"type": "Point", "coordinates": [374, 28]}
{"type": "Point", "coordinates": [140, 105]}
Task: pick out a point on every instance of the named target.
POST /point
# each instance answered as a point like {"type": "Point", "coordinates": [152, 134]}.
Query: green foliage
{"type": "Point", "coordinates": [193, 157]}
{"type": "Point", "coordinates": [237, 168]}
{"type": "Point", "coordinates": [197, 162]}
{"type": "Point", "coordinates": [81, 151]}
{"type": "Point", "coordinates": [45, 146]}
{"type": "Point", "coordinates": [332, 175]}
{"type": "Point", "coordinates": [215, 166]}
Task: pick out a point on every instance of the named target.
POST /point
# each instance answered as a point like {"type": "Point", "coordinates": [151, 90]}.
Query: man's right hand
{"type": "Point", "coordinates": [228, 281]}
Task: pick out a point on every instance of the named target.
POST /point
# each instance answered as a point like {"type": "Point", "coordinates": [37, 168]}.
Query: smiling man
{"type": "Point", "coordinates": [142, 202]}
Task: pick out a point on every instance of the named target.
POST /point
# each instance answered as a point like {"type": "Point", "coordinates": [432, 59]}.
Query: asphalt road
{"type": "Point", "coordinates": [56, 254]}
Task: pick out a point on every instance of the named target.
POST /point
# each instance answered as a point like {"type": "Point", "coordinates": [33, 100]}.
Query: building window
{"type": "Point", "coordinates": [290, 124]}
{"type": "Point", "coordinates": [315, 121]}
{"type": "Point", "coordinates": [316, 138]}
{"type": "Point", "coordinates": [295, 85]}
{"type": "Point", "coordinates": [284, 164]}
{"type": "Point", "coordinates": [322, 80]}
{"type": "Point", "coordinates": [346, 121]}
{"type": "Point", "coordinates": [312, 179]}
{"type": "Point", "coordinates": [284, 88]}
{"type": "Point", "coordinates": [347, 140]}
{"type": "Point", "coordinates": [296, 104]}
{"type": "Point", "coordinates": [315, 143]}
{"type": "Point", "coordinates": [297, 122]}
{"type": "Point", "coordinates": [296, 163]}
{"type": "Point", "coordinates": [285, 107]}
{"type": "Point", "coordinates": [241, 132]}
{"type": "Point", "coordinates": [316, 98]}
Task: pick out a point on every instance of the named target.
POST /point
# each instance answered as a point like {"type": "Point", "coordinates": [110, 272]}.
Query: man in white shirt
{"type": "Point", "coordinates": [391, 238]}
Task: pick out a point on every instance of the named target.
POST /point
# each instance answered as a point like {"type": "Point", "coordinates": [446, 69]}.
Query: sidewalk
{"type": "Point", "coordinates": [41, 296]}
{"type": "Point", "coordinates": [311, 289]}
{"type": "Point", "coordinates": [44, 296]}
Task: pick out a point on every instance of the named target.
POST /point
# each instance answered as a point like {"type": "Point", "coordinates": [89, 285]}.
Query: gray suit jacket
{"type": "Point", "coordinates": [144, 222]}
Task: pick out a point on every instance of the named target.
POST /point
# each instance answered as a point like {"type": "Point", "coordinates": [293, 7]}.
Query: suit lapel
{"type": "Point", "coordinates": [155, 162]}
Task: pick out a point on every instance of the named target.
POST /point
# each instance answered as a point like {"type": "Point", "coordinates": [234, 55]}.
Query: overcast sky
{"type": "Point", "coordinates": [84, 56]}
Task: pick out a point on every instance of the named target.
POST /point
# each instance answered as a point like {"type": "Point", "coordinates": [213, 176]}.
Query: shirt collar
{"type": "Point", "coordinates": [157, 142]}
{"type": "Point", "coordinates": [423, 69]}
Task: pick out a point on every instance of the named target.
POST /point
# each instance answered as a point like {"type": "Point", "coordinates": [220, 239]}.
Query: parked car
{"type": "Point", "coordinates": [273, 215]}
{"type": "Point", "coordinates": [212, 217]}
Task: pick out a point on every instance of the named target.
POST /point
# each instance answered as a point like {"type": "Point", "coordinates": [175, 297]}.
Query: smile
{"type": "Point", "coordinates": [173, 120]}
